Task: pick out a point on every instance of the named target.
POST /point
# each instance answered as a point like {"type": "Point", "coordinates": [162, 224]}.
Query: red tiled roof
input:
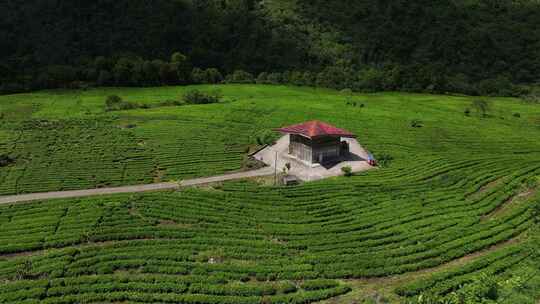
{"type": "Point", "coordinates": [315, 128]}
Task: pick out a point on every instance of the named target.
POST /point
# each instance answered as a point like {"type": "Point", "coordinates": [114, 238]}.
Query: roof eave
{"type": "Point", "coordinates": [316, 136]}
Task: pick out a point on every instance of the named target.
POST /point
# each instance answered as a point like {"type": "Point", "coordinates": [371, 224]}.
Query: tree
{"type": "Point", "coordinates": [240, 76]}
{"type": "Point", "coordinates": [274, 78]}
{"type": "Point", "coordinates": [150, 71]}
{"type": "Point", "coordinates": [198, 76]}
{"type": "Point", "coordinates": [122, 71]}
{"type": "Point", "coordinates": [181, 66]}
{"type": "Point", "coordinates": [104, 78]}
{"type": "Point", "coordinates": [168, 74]}
{"type": "Point", "coordinates": [262, 78]}
{"type": "Point", "coordinates": [370, 80]}
{"type": "Point", "coordinates": [500, 85]}
{"type": "Point", "coordinates": [213, 75]}
{"type": "Point", "coordinates": [297, 78]}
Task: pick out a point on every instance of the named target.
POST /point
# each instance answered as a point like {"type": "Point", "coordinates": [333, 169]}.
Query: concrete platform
{"type": "Point", "coordinates": [357, 160]}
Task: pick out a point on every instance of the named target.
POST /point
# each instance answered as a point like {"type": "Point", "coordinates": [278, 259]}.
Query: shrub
{"type": "Point", "coordinates": [384, 160]}
{"type": "Point", "coordinates": [347, 171]}
{"type": "Point", "coordinates": [532, 97]}
{"type": "Point", "coordinates": [198, 97]}
{"type": "Point", "coordinates": [481, 106]}
{"type": "Point", "coordinates": [115, 103]}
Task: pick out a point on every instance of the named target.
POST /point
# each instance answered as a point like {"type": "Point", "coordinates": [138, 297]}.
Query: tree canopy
{"type": "Point", "coordinates": [421, 44]}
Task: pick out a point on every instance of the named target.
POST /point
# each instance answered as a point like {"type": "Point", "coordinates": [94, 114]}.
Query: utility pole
{"type": "Point", "coordinates": [275, 168]}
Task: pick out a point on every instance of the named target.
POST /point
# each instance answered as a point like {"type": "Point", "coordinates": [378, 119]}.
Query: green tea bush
{"type": "Point", "coordinates": [318, 284]}
{"type": "Point", "coordinates": [6, 160]}
{"type": "Point", "coordinates": [416, 123]}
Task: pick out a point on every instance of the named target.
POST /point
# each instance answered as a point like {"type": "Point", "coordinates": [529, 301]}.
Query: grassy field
{"type": "Point", "coordinates": [454, 205]}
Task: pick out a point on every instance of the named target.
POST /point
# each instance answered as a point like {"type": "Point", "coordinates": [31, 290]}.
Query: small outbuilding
{"type": "Point", "coordinates": [317, 142]}
{"type": "Point", "coordinates": [314, 150]}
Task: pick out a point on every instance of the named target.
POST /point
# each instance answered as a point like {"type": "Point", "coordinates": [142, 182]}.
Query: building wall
{"type": "Point", "coordinates": [311, 150]}
{"type": "Point", "coordinates": [325, 153]}
{"type": "Point", "coordinates": [300, 147]}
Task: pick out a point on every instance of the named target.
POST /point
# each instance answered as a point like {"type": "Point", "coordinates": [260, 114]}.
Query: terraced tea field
{"type": "Point", "coordinates": [454, 206]}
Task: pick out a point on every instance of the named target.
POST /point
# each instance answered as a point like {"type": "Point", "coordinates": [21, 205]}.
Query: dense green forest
{"type": "Point", "coordinates": [467, 46]}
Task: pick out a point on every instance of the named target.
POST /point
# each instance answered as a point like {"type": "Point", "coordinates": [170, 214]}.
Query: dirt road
{"type": "Point", "coordinates": [10, 199]}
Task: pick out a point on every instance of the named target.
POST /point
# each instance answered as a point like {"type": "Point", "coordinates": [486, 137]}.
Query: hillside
{"type": "Point", "coordinates": [452, 212]}
{"type": "Point", "coordinates": [472, 47]}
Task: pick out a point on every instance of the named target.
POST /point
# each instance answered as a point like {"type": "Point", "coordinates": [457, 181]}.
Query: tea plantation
{"type": "Point", "coordinates": [452, 214]}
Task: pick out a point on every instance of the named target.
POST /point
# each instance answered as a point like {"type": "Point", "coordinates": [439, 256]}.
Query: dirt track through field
{"type": "Point", "coordinates": [10, 199]}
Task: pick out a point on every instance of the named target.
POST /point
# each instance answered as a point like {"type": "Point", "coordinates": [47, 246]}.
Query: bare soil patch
{"type": "Point", "coordinates": [486, 188]}
{"type": "Point", "coordinates": [510, 202]}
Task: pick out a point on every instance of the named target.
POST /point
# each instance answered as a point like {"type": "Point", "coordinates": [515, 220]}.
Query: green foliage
{"type": "Point", "coordinates": [318, 284]}
{"type": "Point", "coordinates": [481, 106]}
{"type": "Point", "coordinates": [347, 171]}
{"type": "Point", "coordinates": [198, 75]}
{"type": "Point", "coordinates": [536, 212]}
{"type": "Point", "coordinates": [360, 45]}
{"type": "Point", "coordinates": [533, 96]}
{"type": "Point", "coordinates": [501, 86]}
{"type": "Point", "coordinates": [240, 76]}
{"type": "Point", "coordinates": [370, 80]}
{"type": "Point", "coordinates": [262, 78]}
{"type": "Point", "coordinates": [6, 160]}
{"type": "Point", "coordinates": [198, 97]}
{"type": "Point", "coordinates": [416, 123]}
{"type": "Point", "coordinates": [115, 103]}
{"type": "Point", "coordinates": [245, 243]}
{"type": "Point", "coordinates": [266, 137]}
{"type": "Point", "coordinates": [384, 160]}
{"type": "Point", "coordinates": [208, 76]}
{"type": "Point", "coordinates": [274, 78]}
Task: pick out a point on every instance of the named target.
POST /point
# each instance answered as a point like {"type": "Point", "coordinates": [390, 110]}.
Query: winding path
{"type": "Point", "coordinates": [10, 199]}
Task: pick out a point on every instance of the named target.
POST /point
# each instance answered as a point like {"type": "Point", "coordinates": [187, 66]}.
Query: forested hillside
{"type": "Point", "coordinates": [474, 46]}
